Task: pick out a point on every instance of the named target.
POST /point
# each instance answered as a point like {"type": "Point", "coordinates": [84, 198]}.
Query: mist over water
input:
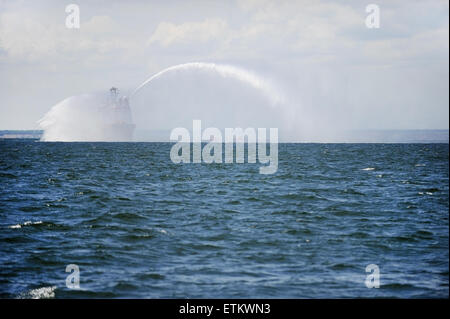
{"type": "Point", "coordinates": [219, 95]}
{"type": "Point", "coordinates": [88, 117]}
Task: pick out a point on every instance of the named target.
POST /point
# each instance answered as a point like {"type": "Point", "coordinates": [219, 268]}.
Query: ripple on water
{"type": "Point", "coordinates": [159, 229]}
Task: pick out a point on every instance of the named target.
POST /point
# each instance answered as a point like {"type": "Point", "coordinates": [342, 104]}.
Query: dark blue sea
{"type": "Point", "coordinates": [139, 226]}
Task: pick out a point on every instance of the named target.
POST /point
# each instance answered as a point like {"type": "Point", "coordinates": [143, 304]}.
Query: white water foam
{"type": "Point", "coordinates": [39, 293]}
{"type": "Point", "coordinates": [27, 223]}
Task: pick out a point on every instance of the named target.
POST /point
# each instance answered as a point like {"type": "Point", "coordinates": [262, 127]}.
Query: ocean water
{"type": "Point", "coordinates": [139, 226]}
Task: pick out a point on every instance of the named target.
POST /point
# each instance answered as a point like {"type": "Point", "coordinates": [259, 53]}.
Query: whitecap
{"type": "Point", "coordinates": [40, 293]}
{"type": "Point", "coordinates": [368, 169]}
{"type": "Point", "coordinates": [32, 223]}
{"type": "Point", "coordinates": [27, 223]}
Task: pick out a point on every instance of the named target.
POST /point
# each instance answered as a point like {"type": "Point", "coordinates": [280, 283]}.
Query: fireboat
{"type": "Point", "coordinates": [119, 121]}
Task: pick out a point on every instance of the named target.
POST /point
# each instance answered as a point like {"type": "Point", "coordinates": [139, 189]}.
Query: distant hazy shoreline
{"type": "Point", "coordinates": [351, 136]}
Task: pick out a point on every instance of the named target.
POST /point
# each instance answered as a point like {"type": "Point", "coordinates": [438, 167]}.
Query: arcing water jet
{"type": "Point", "coordinates": [224, 71]}
{"type": "Point", "coordinates": [107, 117]}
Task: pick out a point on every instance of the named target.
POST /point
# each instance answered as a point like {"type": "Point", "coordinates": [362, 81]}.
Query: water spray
{"type": "Point", "coordinates": [103, 117]}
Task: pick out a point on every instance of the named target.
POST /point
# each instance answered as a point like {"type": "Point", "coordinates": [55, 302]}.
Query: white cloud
{"type": "Point", "coordinates": [167, 34]}
{"type": "Point", "coordinates": [314, 48]}
{"type": "Point", "coordinates": [431, 44]}
{"type": "Point", "coordinates": [34, 37]}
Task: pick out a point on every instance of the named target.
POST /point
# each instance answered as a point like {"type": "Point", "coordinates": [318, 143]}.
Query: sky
{"type": "Point", "coordinates": [332, 70]}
